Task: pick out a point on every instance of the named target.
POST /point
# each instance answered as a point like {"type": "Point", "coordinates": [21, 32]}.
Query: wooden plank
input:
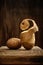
{"type": "Point", "coordinates": [21, 56]}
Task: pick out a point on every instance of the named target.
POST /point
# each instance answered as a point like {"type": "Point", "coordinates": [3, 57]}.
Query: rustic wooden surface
{"type": "Point", "coordinates": [21, 56]}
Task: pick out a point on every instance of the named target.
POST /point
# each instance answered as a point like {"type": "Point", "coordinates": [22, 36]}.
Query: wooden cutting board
{"type": "Point", "coordinates": [21, 56]}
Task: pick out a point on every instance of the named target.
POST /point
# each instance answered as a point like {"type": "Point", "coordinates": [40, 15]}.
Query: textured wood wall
{"type": "Point", "coordinates": [12, 12]}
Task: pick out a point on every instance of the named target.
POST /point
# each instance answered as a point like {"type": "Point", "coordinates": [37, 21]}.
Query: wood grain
{"type": "Point", "coordinates": [21, 56]}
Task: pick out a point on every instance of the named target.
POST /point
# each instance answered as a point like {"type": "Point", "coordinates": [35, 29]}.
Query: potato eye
{"type": "Point", "coordinates": [23, 23]}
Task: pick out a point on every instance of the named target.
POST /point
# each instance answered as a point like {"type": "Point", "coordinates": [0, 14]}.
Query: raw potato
{"type": "Point", "coordinates": [27, 39]}
{"type": "Point", "coordinates": [14, 43]}
{"type": "Point", "coordinates": [28, 36]}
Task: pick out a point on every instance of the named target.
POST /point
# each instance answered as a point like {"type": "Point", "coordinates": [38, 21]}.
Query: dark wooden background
{"type": "Point", "coordinates": [12, 12]}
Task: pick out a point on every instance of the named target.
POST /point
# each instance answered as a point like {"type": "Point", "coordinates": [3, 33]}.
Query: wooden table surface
{"type": "Point", "coordinates": [21, 56]}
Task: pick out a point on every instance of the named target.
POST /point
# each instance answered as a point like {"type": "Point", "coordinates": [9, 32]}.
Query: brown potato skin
{"type": "Point", "coordinates": [14, 43]}
{"type": "Point", "coordinates": [27, 39]}
{"type": "Point", "coordinates": [27, 45]}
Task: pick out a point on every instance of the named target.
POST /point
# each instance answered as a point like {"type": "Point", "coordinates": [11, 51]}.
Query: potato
{"type": "Point", "coordinates": [14, 43]}
{"type": "Point", "coordinates": [27, 40]}
{"type": "Point", "coordinates": [27, 35]}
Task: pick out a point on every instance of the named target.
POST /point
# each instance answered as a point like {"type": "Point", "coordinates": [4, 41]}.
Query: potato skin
{"type": "Point", "coordinates": [24, 25]}
{"type": "Point", "coordinates": [27, 39]}
{"type": "Point", "coordinates": [14, 43]}
{"type": "Point", "coordinates": [27, 45]}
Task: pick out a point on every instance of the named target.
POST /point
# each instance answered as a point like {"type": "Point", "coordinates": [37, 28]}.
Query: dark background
{"type": "Point", "coordinates": [12, 12]}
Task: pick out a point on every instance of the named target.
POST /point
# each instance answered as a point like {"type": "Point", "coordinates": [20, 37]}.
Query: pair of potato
{"type": "Point", "coordinates": [27, 36]}
{"type": "Point", "coordinates": [16, 43]}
